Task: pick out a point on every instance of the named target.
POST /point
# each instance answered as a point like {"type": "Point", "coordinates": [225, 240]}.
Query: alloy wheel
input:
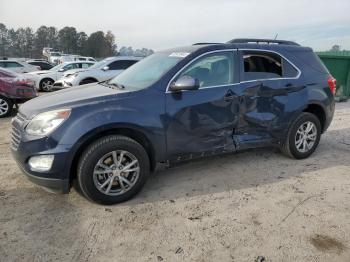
{"type": "Point", "coordinates": [305, 137]}
{"type": "Point", "coordinates": [4, 107]}
{"type": "Point", "coordinates": [116, 173]}
{"type": "Point", "coordinates": [46, 85]}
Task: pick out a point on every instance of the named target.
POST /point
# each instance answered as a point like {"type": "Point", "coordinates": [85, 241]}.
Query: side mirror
{"type": "Point", "coordinates": [61, 70]}
{"type": "Point", "coordinates": [105, 68]}
{"type": "Point", "coordinates": [184, 83]}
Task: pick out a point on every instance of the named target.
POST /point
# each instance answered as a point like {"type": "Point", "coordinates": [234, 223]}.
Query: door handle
{"type": "Point", "coordinates": [229, 95]}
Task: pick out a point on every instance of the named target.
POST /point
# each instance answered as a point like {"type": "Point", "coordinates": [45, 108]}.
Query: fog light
{"type": "Point", "coordinates": [41, 163]}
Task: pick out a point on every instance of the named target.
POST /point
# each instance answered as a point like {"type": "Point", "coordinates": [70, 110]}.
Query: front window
{"type": "Point", "coordinates": [147, 71]}
{"type": "Point", "coordinates": [212, 70]}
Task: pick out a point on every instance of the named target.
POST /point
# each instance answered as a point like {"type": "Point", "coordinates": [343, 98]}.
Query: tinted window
{"type": "Point", "coordinates": [85, 65]}
{"type": "Point", "coordinates": [121, 64]}
{"type": "Point", "coordinates": [43, 65]}
{"type": "Point", "coordinates": [288, 69]}
{"type": "Point", "coordinates": [212, 70]}
{"type": "Point", "coordinates": [12, 64]}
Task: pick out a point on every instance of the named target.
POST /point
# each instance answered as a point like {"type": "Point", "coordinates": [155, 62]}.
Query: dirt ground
{"type": "Point", "coordinates": [242, 207]}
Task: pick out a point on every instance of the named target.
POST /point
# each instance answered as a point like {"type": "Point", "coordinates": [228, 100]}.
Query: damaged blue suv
{"type": "Point", "coordinates": [175, 105]}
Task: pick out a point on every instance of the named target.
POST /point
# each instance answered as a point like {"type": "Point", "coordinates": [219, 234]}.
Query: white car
{"type": "Point", "coordinates": [101, 71]}
{"type": "Point", "coordinates": [69, 58]}
{"type": "Point", "coordinates": [45, 79]}
{"type": "Point", "coordinates": [18, 66]}
{"type": "Point", "coordinates": [54, 57]}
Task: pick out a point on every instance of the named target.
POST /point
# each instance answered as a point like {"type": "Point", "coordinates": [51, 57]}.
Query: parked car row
{"type": "Point", "coordinates": [45, 79]}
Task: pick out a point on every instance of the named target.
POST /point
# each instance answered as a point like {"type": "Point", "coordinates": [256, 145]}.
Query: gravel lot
{"type": "Point", "coordinates": [229, 208]}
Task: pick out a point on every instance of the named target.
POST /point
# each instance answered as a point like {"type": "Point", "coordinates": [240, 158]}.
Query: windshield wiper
{"type": "Point", "coordinates": [115, 85]}
{"type": "Point", "coordinates": [112, 85]}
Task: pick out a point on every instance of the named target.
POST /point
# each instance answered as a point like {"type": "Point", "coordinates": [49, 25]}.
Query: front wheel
{"type": "Point", "coordinates": [113, 169]}
{"type": "Point", "coordinates": [303, 136]}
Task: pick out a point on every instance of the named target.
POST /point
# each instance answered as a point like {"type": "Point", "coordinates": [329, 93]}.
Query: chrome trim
{"type": "Point", "coordinates": [240, 82]}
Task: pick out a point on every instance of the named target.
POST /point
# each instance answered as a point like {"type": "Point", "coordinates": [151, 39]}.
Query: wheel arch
{"type": "Point", "coordinates": [130, 132]}
{"type": "Point", "coordinates": [319, 112]}
{"type": "Point", "coordinates": [88, 78]}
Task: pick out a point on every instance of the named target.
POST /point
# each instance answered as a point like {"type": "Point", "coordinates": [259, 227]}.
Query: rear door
{"type": "Point", "coordinates": [268, 82]}
{"type": "Point", "coordinates": [202, 121]}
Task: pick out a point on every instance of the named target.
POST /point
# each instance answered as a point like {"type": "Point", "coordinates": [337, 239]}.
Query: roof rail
{"type": "Point", "coordinates": [207, 43]}
{"type": "Point", "coordinates": [258, 41]}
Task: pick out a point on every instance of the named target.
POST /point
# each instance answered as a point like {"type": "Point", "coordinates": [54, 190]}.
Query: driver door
{"type": "Point", "coordinates": [202, 121]}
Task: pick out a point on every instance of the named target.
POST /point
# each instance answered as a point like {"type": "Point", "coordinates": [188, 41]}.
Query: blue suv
{"type": "Point", "coordinates": [175, 105]}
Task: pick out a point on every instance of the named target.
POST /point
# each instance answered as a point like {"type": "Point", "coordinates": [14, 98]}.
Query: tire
{"type": "Point", "coordinates": [294, 146]}
{"type": "Point", "coordinates": [6, 106]}
{"type": "Point", "coordinates": [45, 84]}
{"type": "Point", "coordinates": [87, 81]}
{"type": "Point", "coordinates": [98, 157]}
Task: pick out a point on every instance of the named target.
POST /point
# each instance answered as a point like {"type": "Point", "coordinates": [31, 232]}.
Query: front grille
{"type": "Point", "coordinates": [17, 124]}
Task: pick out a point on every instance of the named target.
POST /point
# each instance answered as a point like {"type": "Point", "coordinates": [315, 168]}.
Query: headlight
{"type": "Point", "coordinates": [47, 122]}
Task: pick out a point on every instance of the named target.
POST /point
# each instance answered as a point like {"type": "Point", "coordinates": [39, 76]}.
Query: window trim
{"type": "Point", "coordinates": [274, 78]}
{"type": "Point", "coordinates": [239, 82]}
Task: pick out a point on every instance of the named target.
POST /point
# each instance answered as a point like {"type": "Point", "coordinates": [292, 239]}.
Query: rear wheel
{"type": "Point", "coordinates": [6, 106]}
{"type": "Point", "coordinates": [113, 169]}
{"type": "Point", "coordinates": [303, 136]}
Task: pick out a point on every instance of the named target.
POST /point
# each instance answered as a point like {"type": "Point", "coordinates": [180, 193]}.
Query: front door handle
{"type": "Point", "coordinates": [229, 95]}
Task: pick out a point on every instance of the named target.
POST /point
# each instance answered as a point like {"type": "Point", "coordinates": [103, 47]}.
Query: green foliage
{"type": "Point", "coordinates": [24, 42]}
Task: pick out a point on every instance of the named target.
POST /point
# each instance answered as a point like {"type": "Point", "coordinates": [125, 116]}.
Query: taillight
{"type": "Point", "coordinates": [332, 83]}
{"type": "Point", "coordinates": [25, 82]}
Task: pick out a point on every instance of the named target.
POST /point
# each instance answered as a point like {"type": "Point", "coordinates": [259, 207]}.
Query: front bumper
{"type": "Point", "coordinates": [22, 147]}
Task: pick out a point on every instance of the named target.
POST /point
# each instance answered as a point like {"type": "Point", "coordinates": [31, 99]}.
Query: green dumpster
{"type": "Point", "coordinates": [338, 64]}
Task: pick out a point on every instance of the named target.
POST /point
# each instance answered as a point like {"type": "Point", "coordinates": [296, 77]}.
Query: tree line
{"type": "Point", "coordinates": [25, 42]}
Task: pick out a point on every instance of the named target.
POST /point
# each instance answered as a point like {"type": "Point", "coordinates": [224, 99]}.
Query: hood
{"type": "Point", "coordinates": [68, 98]}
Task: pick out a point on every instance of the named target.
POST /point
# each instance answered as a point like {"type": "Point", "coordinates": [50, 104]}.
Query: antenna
{"type": "Point", "coordinates": [276, 36]}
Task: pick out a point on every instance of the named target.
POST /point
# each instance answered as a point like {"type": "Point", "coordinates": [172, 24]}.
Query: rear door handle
{"type": "Point", "coordinates": [229, 95]}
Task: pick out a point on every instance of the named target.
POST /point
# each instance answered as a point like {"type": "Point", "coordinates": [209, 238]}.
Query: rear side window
{"type": "Point", "coordinates": [312, 60]}
{"type": "Point", "coordinates": [12, 64]}
{"type": "Point", "coordinates": [258, 65]}
{"type": "Point", "coordinates": [121, 64]}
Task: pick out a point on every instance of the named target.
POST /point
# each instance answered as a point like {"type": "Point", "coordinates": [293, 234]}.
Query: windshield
{"type": "Point", "coordinates": [100, 64]}
{"type": "Point", "coordinates": [56, 68]}
{"type": "Point", "coordinates": [147, 71]}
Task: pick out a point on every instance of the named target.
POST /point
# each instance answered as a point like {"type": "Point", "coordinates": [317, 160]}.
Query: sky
{"type": "Point", "coordinates": [161, 24]}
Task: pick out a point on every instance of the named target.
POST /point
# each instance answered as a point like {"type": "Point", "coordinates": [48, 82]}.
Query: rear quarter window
{"type": "Point", "coordinates": [310, 59]}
